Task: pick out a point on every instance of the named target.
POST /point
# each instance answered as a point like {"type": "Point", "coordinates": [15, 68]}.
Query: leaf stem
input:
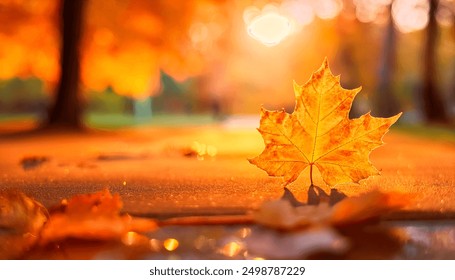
{"type": "Point", "coordinates": [311, 174]}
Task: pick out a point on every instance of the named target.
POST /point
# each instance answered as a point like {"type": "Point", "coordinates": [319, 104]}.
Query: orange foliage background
{"type": "Point", "coordinates": [126, 43]}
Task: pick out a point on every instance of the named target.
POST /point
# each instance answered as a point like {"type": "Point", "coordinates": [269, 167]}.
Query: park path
{"type": "Point", "coordinates": [156, 172]}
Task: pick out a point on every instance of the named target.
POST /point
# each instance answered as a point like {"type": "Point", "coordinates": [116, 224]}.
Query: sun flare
{"type": "Point", "coordinates": [269, 28]}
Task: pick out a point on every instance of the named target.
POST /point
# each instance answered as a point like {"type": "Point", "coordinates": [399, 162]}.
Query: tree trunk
{"type": "Point", "coordinates": [433, 106]}
{"type": "Point", "coordinates": [67, 109]}
{"type": "Point", "coordinates": [385, 104]}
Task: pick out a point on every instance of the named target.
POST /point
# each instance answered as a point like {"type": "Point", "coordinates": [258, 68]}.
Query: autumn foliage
{"type": "Point", "coordinates": [320, 134]}
{"type": "Point", "coordinates": [128, 57]}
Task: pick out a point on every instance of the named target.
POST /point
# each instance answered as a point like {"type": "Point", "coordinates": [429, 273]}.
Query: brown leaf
{"type": "Point", "coordinates": [19, 213]}
{"type": "Point", "coordinates": [21, 220]}
{"type": "Point", "coordinates": [33, 162]}
{"type": "Point", "coordinates": [297, 245]}
{"type": "Point", "coordinates": [102, 203]}
{"type": "Point", "coordinates": [367, 206]}
{"type": "Point", "coordinates": [93, 217]}
{"type": "Point", "coordinates": [319, 133]}
{"type": "Point", "coordinates": [281, 214]}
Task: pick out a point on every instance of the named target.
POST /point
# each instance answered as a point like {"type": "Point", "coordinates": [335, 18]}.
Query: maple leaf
{"type": "Point", "coordinates": [319, 133]}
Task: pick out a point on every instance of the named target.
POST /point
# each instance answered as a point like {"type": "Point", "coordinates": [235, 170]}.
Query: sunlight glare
{"type": "Point", "coordinates": [444, 16]}
{"type": "Point", "coordinates": [328, 9]}
{"type": "Point", "coordinates": [302, 11]}
{"type": "Point", "coordinates": [370, 10]}
{"type": "Point", "coordinates": [270, 28]}
{"type": "Point", "coordinates": [410, 16]}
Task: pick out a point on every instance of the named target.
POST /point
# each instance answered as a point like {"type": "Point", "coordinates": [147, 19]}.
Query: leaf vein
{"type": "Point", "coordinates": [282, 133]}
{"type": "Point", "coordinates": [348, 142]}
{"type": "Point", "coordinates": [333, 110]}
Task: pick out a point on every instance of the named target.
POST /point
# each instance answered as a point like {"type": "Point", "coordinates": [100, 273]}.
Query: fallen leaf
{"type": "Point", "coordinates": [122, 156]}
{"type": "Point", "coordinates": [200, 151]}
{"type": "Point", "coordinates": [33, 162]}
{"type": "Point", "coordinates": [93, 216]}
{"type": "Point", "coordinates": [300, 244]}
{"type": "Point", "coordinates": [101, 203]}
{"type": "Point", "coordinates": [367, 206]}
{"type": "Point", "coordinates": [21, 221]}
{"type": "Point", "coordinates": [281, 214]}
{"type": "Point", "coordinates": [20, 214]}
{"type": "Point", "coordinates": [320, 134]}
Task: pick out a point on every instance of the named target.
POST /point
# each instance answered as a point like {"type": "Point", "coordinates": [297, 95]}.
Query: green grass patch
{"type": "Point", "coordinates": [114, 121]}
{"type": "Point", "coordinates": [427, 131]}
{"type": "Point", "coordinates": [17, 117]}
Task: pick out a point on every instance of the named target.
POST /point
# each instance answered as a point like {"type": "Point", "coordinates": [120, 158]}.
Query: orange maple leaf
{"type": "Point", "coordinates": [319, 133]}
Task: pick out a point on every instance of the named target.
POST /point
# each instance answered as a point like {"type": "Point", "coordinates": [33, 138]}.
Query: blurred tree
{"type": "Point", "coordinates": [346, 59]}
{"type": "Point", "coordinates": [125, 43]}
{"type": "Point", "coordinates": [385, 102]}
{"type": "Point", "coordinates": [29, 40]}
{"type": "Point", "coordinates": [433, 105]}
{"type": "Point", "coordinates": [98, 52]}
{"type": "Point", "coordinates": [67, 108]}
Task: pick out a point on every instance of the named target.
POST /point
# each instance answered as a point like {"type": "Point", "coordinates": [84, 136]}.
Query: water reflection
{"type": "Point", "coordinates": [387, 240]}
{"type": "Point", "coordinates": [429, 240]}
{"type": "Point", "coordinates": [410, 240]}
{"type": "Point", "coordinates": [171, 244]}
{"type": "Point", "coordinates": [155, 245]}
{"type": "Point", "coordinates": [130, 238]}
{"type": "Point", "coordinates": [204, 243]}
{"type": "Point", "coordinates": [232, 249]}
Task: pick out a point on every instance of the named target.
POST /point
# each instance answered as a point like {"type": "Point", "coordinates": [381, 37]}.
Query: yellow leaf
{"type": "Point", "coordinates": [319, 133]}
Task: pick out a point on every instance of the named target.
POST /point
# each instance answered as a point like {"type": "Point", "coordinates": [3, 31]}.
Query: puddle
{"type": "Point", "coordinates": [391, 240]}
{"type": "Point", "coordinates": [427, 240]}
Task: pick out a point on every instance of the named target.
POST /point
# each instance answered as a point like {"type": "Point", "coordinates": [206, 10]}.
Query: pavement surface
{"type": "Point", "coordinates": [163, 171]}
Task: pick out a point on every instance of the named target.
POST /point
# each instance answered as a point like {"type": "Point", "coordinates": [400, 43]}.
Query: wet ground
{"type": "Point", "coordinates": [411, 240]}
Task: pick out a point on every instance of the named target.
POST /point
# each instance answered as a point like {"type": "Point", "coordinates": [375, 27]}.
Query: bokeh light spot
{"type": "Point", "coordinates": [171, 244]}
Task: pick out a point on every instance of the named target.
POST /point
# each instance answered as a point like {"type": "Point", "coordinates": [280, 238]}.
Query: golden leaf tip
{"type": "Point", "coordinates": [325, 62]}
{"type": "Point", "coordinates": [324, 67]}
{"type": "Point", "coordinates": [297, 89]}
